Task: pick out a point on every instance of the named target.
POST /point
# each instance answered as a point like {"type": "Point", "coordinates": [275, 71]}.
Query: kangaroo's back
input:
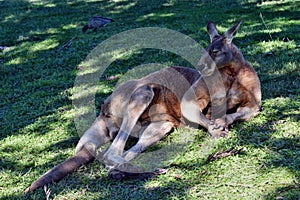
{"type": "Point", "coordinates": [169, 85]}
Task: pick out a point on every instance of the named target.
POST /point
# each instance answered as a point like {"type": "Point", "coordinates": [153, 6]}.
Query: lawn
{"type": "Point", "coordinates": [38, 72]}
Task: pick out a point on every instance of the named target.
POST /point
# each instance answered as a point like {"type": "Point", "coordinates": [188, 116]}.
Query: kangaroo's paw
{"type": "Point", "coordinates": [229, 119]}
{"type": "Point", "coordinates": [218, 128]}
{"type": "Point", "coordinates": [220, 123]}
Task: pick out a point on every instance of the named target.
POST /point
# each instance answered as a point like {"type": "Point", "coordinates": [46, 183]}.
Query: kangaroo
{"type": "Point", "coordinates": [151, 107]}
{"type": "Point", "coordinates": [240, 81]}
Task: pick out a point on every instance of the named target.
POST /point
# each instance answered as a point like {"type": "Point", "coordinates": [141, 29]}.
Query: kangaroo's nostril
{"type": "Point", "coordinates": [203, 68]}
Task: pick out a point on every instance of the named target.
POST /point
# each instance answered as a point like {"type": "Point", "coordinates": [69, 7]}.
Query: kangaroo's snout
{"type": "Point", "coordinates": [206, 70]}
{"type": "Point", "coordinates": [206, 65]}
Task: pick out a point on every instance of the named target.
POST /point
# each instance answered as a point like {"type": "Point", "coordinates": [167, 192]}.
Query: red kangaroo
{"type": "Point", "coordinates": [150, 107]}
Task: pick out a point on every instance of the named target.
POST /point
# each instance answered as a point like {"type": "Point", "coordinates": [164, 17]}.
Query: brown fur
{"type": "Point", "coordinates": [240, 81]}
{"type": "Point", "coordinates": [151, 107]}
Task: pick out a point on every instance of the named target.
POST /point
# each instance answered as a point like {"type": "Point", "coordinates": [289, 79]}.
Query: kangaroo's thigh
{"type": "Point", "coordinates": [139, 101]}
{"type": "Point", "coordinates": [94, 137]}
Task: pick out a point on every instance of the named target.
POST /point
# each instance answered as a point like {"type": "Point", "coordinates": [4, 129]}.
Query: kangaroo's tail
{"type": "Point", "coordinates": [60, 171]}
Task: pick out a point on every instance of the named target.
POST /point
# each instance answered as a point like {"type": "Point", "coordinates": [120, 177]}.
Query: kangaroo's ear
{"type": "Point", "coordinates": [212, 30]}
{"type": "Point", "coordinates": [230, 33]}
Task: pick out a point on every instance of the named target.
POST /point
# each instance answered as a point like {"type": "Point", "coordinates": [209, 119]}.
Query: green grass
{"type": "Point", "coordinates": [36, 113]}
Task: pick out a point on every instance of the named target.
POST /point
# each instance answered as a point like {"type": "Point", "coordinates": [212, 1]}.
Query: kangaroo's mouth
{"type": "Point", "coordinates": [206, 70]}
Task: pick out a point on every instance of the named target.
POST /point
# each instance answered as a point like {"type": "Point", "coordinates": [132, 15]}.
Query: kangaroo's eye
{"type": "Point", "coordinates": [216, 51]}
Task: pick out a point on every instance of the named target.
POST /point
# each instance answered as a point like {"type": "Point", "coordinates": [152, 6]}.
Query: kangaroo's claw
{"type": "Point", "coordinates": [218, 129]}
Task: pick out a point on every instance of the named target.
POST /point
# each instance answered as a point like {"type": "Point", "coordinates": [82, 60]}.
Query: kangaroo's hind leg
{"type": "Point", "coordinates": [94, 137]}
{"type": "Point", "coordinates": [139, 101]}
{"type": "Point", "coordinates": [151, 134]}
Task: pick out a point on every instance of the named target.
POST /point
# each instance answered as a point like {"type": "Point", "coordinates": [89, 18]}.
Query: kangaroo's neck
{"type": "Point", "coordinates": [232, 70]}
{"type": "Point", "coordinates": [238, 62]}
{"type": "Point", "coordinates": [238, 57]}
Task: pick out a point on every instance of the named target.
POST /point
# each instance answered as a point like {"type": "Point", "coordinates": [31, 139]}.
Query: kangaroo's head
{"type": "Point", "coordinates": [221, 51]}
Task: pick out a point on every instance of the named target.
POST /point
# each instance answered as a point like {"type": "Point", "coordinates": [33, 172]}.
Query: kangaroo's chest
{"type": "Point", "coordinates": [236, 94]}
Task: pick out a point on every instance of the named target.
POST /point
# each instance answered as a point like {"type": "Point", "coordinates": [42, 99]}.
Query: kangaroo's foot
{"type": "Point", "coordinates": [124, 175]}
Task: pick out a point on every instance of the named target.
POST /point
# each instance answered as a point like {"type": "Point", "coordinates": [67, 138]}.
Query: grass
{"type": "Point", "coordinates": [37, 77]}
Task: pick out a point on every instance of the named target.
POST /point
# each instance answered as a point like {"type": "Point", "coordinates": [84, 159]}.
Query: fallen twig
{"type": "Point", "coordinates": [226, 153]}
{"type": "Point", "coordinates": [262, 18]}
{"type": "Point", "coordinates": [121, 175]}
{"type": "Point", "coordinates": [68, 44]}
